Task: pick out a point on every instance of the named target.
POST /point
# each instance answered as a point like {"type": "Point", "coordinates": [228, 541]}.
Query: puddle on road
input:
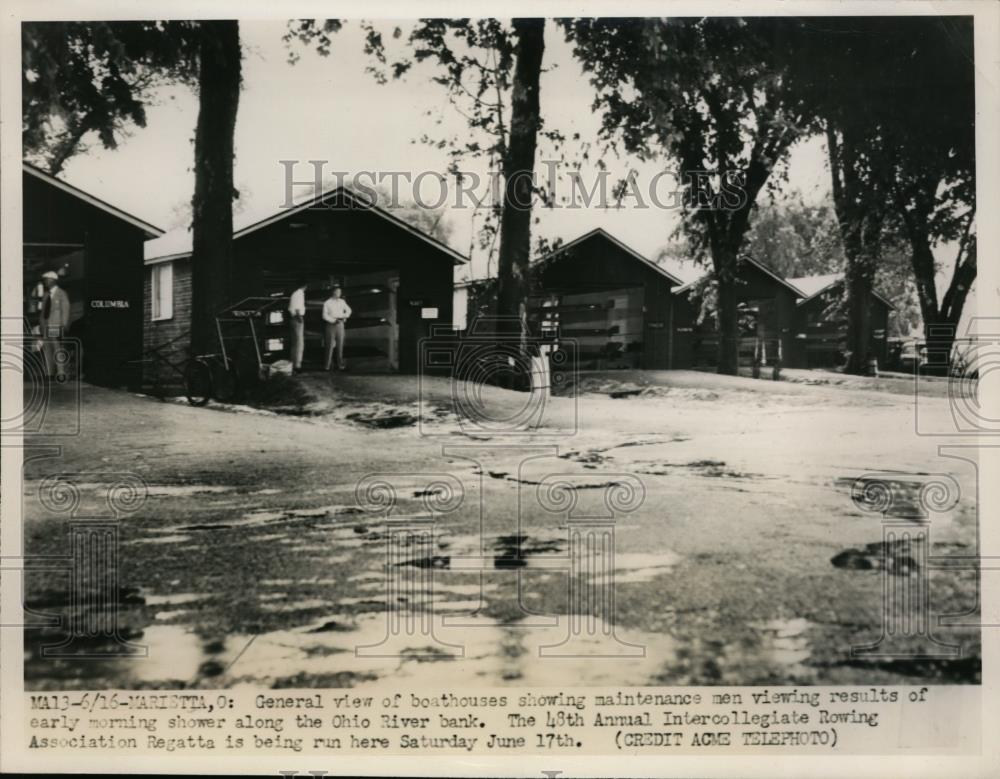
{"type": "Point", "coordinates": [324, 580]}
{"type": "Point", "coordinates": [261, 517]}
{"type": "Point", "coordinates": [312, 580]}
{"type": "Point", "coordinates": [637, 567]}
{"type": "Point", "coordinates": [362, 600]}
{"type": "Point", "coordinates": [325, 649]}
{"type": "Point", "coordinates": [378, 582]}
{"type": "Point", "coordinates": [709, 468]}
{"type": "Point", "coordinates": [593, 457]}
{"type": "Point", "coordinates": [186, 490]}
{"type": "Point", "coordinates": [546, 551]}
{"type": "Point", "coordinates": [367, 577]}
{"type": "Point", "coordinates": [286, 606]}
{"type": "Point", "coordinates": [333, 559]}
{"type": "Point", "coordinates": [473, 552]}
{"type": "Point", "coordinates": [320, 550]}
{"type": "Point", "coordinates": [437, 606]}
{"type": "Point", "coordinates": [160, 490]}
{"type": "Point", "coordinates": [784, 642]}
{"type": "Point", "coordinates": [163, 539]}
{"type": "Point", "coordinates": [176, 599]}
{"type": "Point", "coordinates": [167, 616]}
{"type": "Point", "coordinates": [174, 654]}
{"type": "Point", "coordinates": [355, 648]}
{"type": "Point", "coordinates": [478, 652]}
{"type": "Point", "coordinates": [773, 652]}
{"type": "Point", "coordinates": [257, 518]}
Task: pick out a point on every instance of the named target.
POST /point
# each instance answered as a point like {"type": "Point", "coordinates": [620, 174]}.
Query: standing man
{"type": "Point", "coordinates": [297, 320]}
{"type": "Point", "coordinates": [335, 314]}
{"type": "Point", "coordinates": [53, 322]}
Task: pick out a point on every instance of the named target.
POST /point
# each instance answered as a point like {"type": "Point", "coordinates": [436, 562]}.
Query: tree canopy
{"type": "Point", "coordinates": [95, 77]}
{"type": "Point", "coordinates": [896, 96]}
{"type": "Point", "coordinates": [713, 95]}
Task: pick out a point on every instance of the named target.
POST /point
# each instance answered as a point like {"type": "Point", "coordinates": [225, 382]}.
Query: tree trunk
{"type": "Point", "coordinates": [859, 215]}
{"type": "Point", "coordinates": [859, 291]}
{"type": "Point", "coordinates": [963, 277]}
{"type": "Point", "coordinates": [212, 223]}
{"type": "Point", "coordinates": [729, 325]}
{"type": "Point", "coordinates": [924, 271]}
{"type": "Point", "coordinates": [727, 230]}
{"type": "Point", "coordinates": [940, 321]}
{"type": "Point", "coordinates": [518, 167]}
{"type": "Point", "coordinates": [939, 332]}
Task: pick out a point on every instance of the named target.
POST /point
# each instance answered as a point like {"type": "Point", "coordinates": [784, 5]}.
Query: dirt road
{"type": "Point", "coordinates": [741, 558]}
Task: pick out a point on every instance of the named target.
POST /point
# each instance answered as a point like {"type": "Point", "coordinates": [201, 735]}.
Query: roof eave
{"type": "Point", "coordinates": [149, 230]}
{"type": "Point", "coordinates": [783, 281]}
{"type": "Point", "coordinates": [167, 258]}
{"type": "Point", "coordinates": [624, 247]}
{"type": "Point", "coordinates": [457, 258]}
{"type": "Point", "coordinates": [834, 283]}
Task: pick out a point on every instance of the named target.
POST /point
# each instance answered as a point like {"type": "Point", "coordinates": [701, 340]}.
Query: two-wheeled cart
{"type": "Point", "coordinates": [251, 336]}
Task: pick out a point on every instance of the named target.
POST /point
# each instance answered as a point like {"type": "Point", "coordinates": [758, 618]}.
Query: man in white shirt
{"type": "Point", "coordinates": [335, 314]}
{"type": "Point", "coordinates": [297, 318]}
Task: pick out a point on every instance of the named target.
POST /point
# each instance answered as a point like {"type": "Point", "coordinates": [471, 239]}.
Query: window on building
{"type": "Point", "coordinates": [163, 291]}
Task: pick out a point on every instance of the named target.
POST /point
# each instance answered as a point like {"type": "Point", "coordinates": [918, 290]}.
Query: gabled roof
{"type": "Point", "coordinates": [150, 231]}
{"type": "Point", "coordinates": [176, 244]}
{"type": "Point", "coordinates": [812, 286]}
{"type": "Point", "coordinates": [787, 283]}
{"type": "Point", "coordinates": [602, 233]}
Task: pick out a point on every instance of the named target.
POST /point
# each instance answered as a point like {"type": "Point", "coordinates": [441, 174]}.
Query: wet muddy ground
{"type": "Point", "coordinates": [752, 555]}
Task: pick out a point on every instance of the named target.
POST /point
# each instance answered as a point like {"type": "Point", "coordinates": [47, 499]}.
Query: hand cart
{"type": "Point", "coordinates": [251, 337]}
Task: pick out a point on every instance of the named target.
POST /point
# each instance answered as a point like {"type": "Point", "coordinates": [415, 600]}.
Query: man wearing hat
{"type": "Point", "coordinates": [335, 314]}
{"type": "Point", "coordinates": [53, 321]}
